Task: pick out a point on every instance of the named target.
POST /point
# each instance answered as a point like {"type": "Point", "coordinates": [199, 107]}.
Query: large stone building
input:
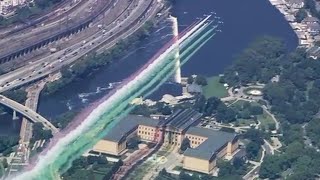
{"type": "Point", "coordinates": [206, 144]}
{"type": "Point", "coordinates": [115, 142]}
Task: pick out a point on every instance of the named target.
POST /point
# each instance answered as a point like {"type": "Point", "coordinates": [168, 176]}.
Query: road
{"type": "Point", "coordinates": [27, 112]}
{"type": "Point", "coordinates": [138, 16]}
{"type": "Point", "coordinates": [88, 10]}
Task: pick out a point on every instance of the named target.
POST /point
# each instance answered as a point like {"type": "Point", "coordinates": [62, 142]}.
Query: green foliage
{"type": "Point", "coordinates": [190, 80]}
{"type": "Point", "coordinates": [18, 95]}
{"type": "Point", "coordinates": [300, 15]}
{"type": "Point", "coordinates": [214, 106]}
{"type": "Point", "coordinates": [201, 80]}
{"type": "Point", "coordinates": [272, 167]}
{"type": "Point", "coordinates": [252, 150]}
{"type": "Point", "coordinates": [93, 61]}
{"type": "Point", "coordinates": [39, 133]}
{"type": "Point", "coordinates": [237, 167]}
{"type": "Point", "coordinates": [6, 144]}
{"type": "Point", "coordinates": [185, 144]}
{"type": "Point", "coordinates": [64, 119]}
{"type": "Point", "coordinates": [313, 129]}
{"type": "Point", "coordinates": [259, 62]}
{"type": "Point", "coordinates": [133, 143]}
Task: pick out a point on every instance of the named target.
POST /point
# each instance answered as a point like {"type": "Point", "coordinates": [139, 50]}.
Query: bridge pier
{"type": "Point", "coordinates": [14, 116]}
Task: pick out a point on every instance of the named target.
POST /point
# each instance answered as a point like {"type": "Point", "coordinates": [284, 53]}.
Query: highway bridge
{"type": "Point", "coordinates": [28, 113]}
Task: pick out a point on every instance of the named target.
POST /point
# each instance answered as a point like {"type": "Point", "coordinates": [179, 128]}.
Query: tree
{"type": "Point", "coordinates": [225, 114]}
{"type": "Point", "coordinates": [133, 143]}
{"type": "Point", "coordinates": [252, 150]}
{"type": "Point", "coordinates": [255, 110]}
{"type": "Point", "coordinates": [166, 110]}
{"type": "Point", "coordinates": [185, 144]}
{"type": "Point", "coordinates": [18, 95]}
{"type": "Point", "coordinates": [40, 133]}
{"type": "Point", "coordinates": [190, 80]}
{"type": "Point", "coordinates": [225, 168]}
{"type": "Point", "coordinates": [271, 167]}
{"type": "Point", "coordinates": [185, 176]}
{"type": "Point", "coordinates": [201, 80]}
{"type": "Point", "coordinates": [5, 163]}
{"type": "Point", "coordinates": [300, 15]}
{"type": "Point", "coordinates": [211, 106]}
{"type": "Point", "coordinates": [255, 136]}
{"type": "Point", "coordinates": [200, 103]}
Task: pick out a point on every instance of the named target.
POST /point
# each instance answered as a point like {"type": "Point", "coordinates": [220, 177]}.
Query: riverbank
{"type": "Point", "coordinates": [93, 62]}
{"type": "Point", "coordinates": [306, 31]}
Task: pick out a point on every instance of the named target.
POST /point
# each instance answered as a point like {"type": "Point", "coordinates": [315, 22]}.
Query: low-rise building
{"type": "Point", "coordinates": [314, 29]}
{"type": "Point", "coordinates": [295, 4]}
{"type": "Point", "coordinates": [310, 20]}
{"type": "Point", "coordinates": [115, 142]}
{"type": "Point", "coordinates": [207, 146]}
{"type": "Point", "coordinates": [6, 6]}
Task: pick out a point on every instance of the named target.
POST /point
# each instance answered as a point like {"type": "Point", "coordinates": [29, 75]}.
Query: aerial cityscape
{"type": "Point", "coordinates": [159, 89]}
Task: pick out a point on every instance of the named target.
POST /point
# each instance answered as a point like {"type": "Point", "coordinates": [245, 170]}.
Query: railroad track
{"type": "Point", "coordinates": [42, 19]}
{"type": "Point", "coordinates": [56, 36]}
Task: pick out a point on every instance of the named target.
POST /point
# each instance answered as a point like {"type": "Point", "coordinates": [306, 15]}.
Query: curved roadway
{"type": "Point", "coordinates": [28, 113]}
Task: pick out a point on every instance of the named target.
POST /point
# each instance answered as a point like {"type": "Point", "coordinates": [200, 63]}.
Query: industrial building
{"type": "Point", "coordinates": [206, 145]}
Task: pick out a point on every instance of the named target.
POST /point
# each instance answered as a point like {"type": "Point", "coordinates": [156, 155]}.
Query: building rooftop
{"type": "Point", "coordinates": [216, 140]}
{"type": "Point", "coordinates": [295, 1]}
{"type": "Point", "coordinates": [310, 19]}
{"type": "Point", "coordinates": [314, 27]}
{"type": "Point", "coordinates": [182, 119]}
{"type": "Point", "coordinates": [126, 125]}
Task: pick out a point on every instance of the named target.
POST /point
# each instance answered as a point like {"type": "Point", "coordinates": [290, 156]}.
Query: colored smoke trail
{"type": "Point", "coordinates": [105, 115]}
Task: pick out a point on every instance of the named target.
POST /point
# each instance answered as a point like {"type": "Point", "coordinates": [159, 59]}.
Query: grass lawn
{"type": "Point", "coordinates": [214, 88]}
{"type": "Point", "coordinates": [245, 122]}
{"type": "Point", "coordinates": [98, 176]}
{"type": "Point", "coordinates": [265, 120]}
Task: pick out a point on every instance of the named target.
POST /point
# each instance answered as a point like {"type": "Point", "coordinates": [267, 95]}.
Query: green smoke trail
{"type": "Point", "coordinates": [107, 120]}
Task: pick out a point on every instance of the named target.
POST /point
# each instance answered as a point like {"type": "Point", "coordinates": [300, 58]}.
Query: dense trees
{"type": "Point", "coordinates": [6, 144]}
{"type": "Point", "coordinates": [201, 80]}
{"type": "Point", "coordinates": [226, 168]}
{"type": "Point", "coordinates": [259, 62]}
{"type": "Point", "coordinates": [39, 133]}
{"type": "Point", "coordinates": [89, 167]}
{"type": "Point", "coordinates": [300, 15]}
{"type": "Point", "coordinates": [64, 119]}
{"type": "Point", "coordinates": [295, 96]}
{"type": "Point", "coordinates": [313, 129]}
{"type": "Point", "coordinates": [18, 95]}
{"type": "Point", "coordinates": [214, 106]}
{"type": "Point", "coordinates": [256, 140]}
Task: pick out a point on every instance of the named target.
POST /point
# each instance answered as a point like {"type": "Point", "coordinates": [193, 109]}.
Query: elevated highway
{"type": "Point", "coordinates": [28, 113]}
{"type": "Point", "coordinates": [100, 41]}
{"type": "Point", "coordinates": [32, 40]}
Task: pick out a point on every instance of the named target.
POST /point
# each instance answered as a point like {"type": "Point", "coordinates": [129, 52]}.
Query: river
{"type": "Point", "coordinates": [243, 21]}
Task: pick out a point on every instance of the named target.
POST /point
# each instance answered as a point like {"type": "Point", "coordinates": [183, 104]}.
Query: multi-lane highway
{"type": "Point", "coordinates": [106, 36]}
